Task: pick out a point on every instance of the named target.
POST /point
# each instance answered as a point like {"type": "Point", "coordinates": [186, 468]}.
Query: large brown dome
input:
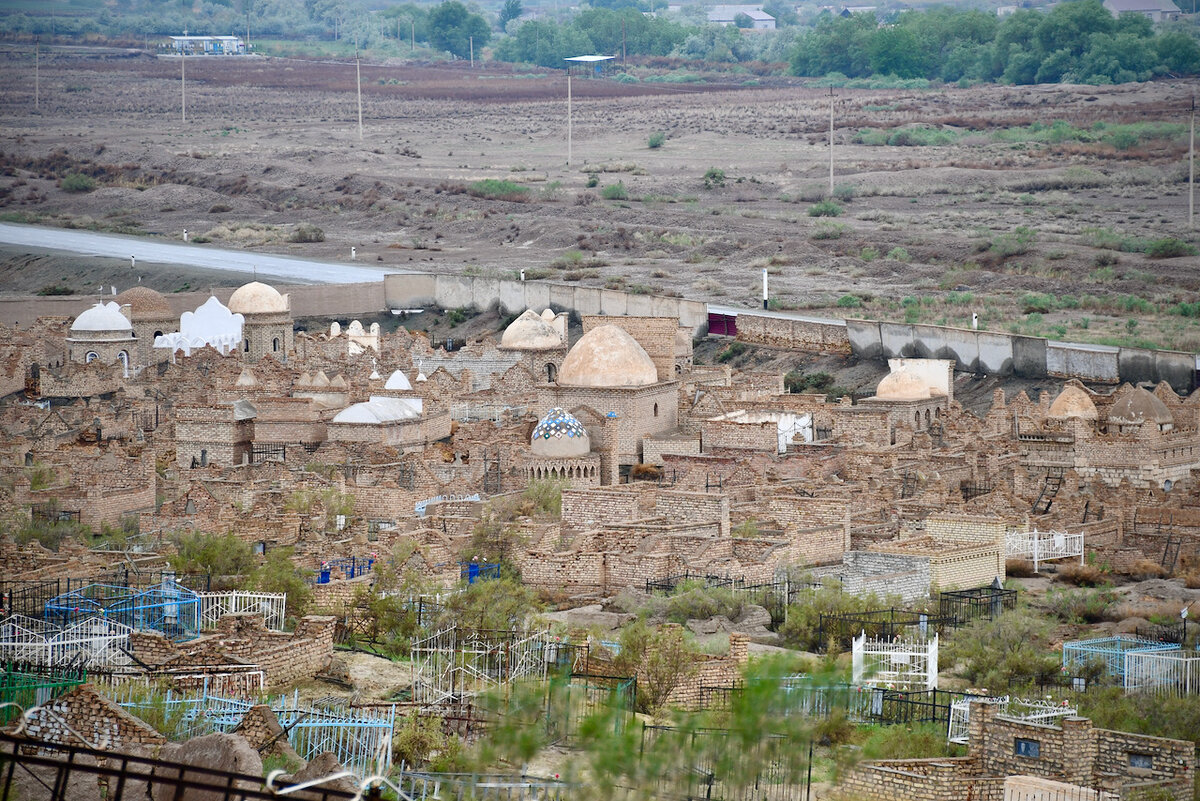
{"type": "Point", "coordinates": [607, 356]}
{"type": "Point", "coordinates": [145, 304]}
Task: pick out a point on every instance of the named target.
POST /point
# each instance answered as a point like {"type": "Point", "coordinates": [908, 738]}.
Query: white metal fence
{"type": "Point", "coordinates": [1026, 710]}
{"type": "Point", "coordinates": [1043, 546]}
{"type": "Point", "coordinates": [897, 664]}
{"type": "Point", "coordinates": [1164, 672]}
{"type": "Point", "coordinates": [92, 642]}
{"type": "Point", "coordinates": [271, 605]}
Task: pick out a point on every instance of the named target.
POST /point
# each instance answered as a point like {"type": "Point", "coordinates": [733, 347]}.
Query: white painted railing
{"type": "Point", "coordinates": [1043, 546]}
{"type": "Point", "coordinates": [271, 605]}
{"type": "Point", "coordinates": [898, 664]}
{"type": "Point", "coordinates": [1028, 711]}
{"type": "Point", "coordinates": [1164, 672]}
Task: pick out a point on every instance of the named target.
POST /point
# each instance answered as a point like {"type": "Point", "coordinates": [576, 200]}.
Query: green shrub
{"type": "Point", "coordinates": [56, 289]}
{"type": "Point", "coordinates": [1014, 647]}
{"type": "Point", "coordinates": [849, 302]}
{"type": "Point", "coordinates": [898, 254]}
{"type": "Point", "coordinates": [214, 554]}
{"type": "Point", "coordinates": [869, 253]}
{"type": "Point", "coordinates": [714, 177]}
{"type": "Point", "coordinates": [734, 350]}
{"type": "Point", "coordinates": [829, 230]}
{"type": "Point", "coordinates": [1169, 248]}
{"type": "Point", "coordinates": [845, 192]}
{"type": "Point", "coordinates": [77, 182]}
{"type": "Point", "coordinates": [1080, 605]}
{"type": "Point", "coordinates": [826, 208]}
{"type": "Point", "coordinates": [305, 232]}
{"type": "Point", "coordinates": [593, 180]}
{"type": "Point", "coordinates": [495, 189]}
{"type": "Point", "coordinates": [656, 140]}
{"type": "Point", "coordinates": [615, 191]}
{"type": "Point", "coordinates": [798, 381]}
{"type": "Point", "coordinates": [1016, 243]}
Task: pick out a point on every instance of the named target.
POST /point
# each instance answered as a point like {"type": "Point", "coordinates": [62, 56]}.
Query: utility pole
{"type": "Point", "coordinates": [413, 31]}
{"type": "Point", "coordinates": [471, 39]}
{"type": "Point", "coordinates": [568, 116]}
{"type": "Point", "coordinates": [622, 43]}
{"type": "Point", "coordinates": [183, 80]}
{"type": "Point", "coordinates": [37, 80]}
{"type": "Point", "coordinates": [831, 142]}
{"type": "Point", "coordinates": [1192, 170]}
{"type": "Point", "coordinates": [358, 84]}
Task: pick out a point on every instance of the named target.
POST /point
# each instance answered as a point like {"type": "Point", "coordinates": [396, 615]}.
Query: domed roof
{"type": "Point", "coordinates": [902, 385]}
{"type": "Point", "coordinates": [548, 315]}
{"type": "Point", "coordinates": [257, 298]}
{"type": "Point", "coordinates": [607, 356]}
{"type": "Point", "coordinates": [530, 332]}
{"type": "Point", "coordinates": [145, 304]}
{"type": "Point", "coordinates": [102, 317]}
{"type": "Point", "coordinates": [1139, 406]}
{"type": "Point", "coordinates": [1073, 401]}
{"type": "Point", "coordinates": [379, 410]}
{"type": "Point", "coordinates": [398, 382]}
{"type": "Point", "coordinates": [559, 434]}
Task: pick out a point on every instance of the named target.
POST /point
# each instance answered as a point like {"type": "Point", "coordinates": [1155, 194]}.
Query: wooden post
{"type": "Point", "coordinates": [471, 39]}
{"type": "Point", "coordinates": [183, 81]}
{"type": "Point", "coordinates": [568, 116]}
{"type": "Point", "coordinates": [831, 142]}
{"type": "Point", "coordinates": [1192, 170]}
{"type": "Point", "coordinates": [358, 85]}
{"type": "Point", "coordinates": [413, 32]}
{"type": "Point", "coordinates": [37, 81]}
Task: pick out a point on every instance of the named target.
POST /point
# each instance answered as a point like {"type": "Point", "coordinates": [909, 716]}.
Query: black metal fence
{"type": "Point", "coordinates": [1163, 632]}
{"type": "Point", "coordinates": [720, 765]}
{"type": "Point", "coordinates": [27, 597]}
{"type": "Point", "coordinates": [774, 596]}
{"type": "Point", "coordinates": [32, 769]}
{"type": "Point", "coordinates": [841, 628]}
{"type": "Point", "coordinates": [981, 602]}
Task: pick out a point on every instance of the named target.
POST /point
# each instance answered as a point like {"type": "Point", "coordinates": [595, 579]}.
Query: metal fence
{"type": "Point", "coordinates": [271, 605]}
{"type": "Point", "coordinates": [1109, 652]}
{"type": "Point", "coordinates": [1166, 672]}
{"type": "Point", "coordinates": [480, 787]}
{"type": "Point", "coordinates": [573, 699]}
{"type": "Point", "coordinates": [722, 765]}
{"type": "Point", "coordinates": [774, 596]}
{"type": "Point", "coordinates": [28, 685]}
{"type": "Point", "coordinates": [92, 642]}
{"type": "Point", "coordinates": [979, 603]}
{"type": "Point", "coordinates": [27, 598]}
{"type": "Point", "coordinates": [881, 624]}
{"type": "Point", "coordinates": [32, 769]}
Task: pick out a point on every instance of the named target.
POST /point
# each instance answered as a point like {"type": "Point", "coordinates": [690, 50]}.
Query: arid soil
{"type": "Point", "coordinates": [270, 144]}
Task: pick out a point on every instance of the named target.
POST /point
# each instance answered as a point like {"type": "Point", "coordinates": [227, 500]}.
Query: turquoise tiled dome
{"type": "Point", "coordinates": [560, 434]}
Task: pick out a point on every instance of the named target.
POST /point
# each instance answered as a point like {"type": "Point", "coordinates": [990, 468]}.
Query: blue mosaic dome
{"type": "Point", "coordinates": [559, 433]}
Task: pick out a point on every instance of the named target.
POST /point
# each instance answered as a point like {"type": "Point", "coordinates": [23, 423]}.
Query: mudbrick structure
{"type": "Point", "coordinates": [360, 443]}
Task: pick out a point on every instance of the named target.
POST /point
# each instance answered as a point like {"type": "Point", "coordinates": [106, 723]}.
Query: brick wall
{"type": "Point", "coordinates": [884, 574]}
{"type": "Point", "coordinates": [918, 780]}
{"type": "Point", "coordinates": [816, 336]}
{"type": "Point", "coordinates": [585, 508]}
{"type": "Point", "coordinates": [694, 507]}
{"type": "Point", "coordinates": [654, 448]}
{"type": "Point", "coordinates": [105, 725]}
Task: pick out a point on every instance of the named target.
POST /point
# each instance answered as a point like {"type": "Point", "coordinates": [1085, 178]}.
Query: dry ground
{"type": "Point", "coordinates": [272, 143]}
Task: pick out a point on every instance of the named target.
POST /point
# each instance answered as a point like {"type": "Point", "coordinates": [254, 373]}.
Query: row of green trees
{"type": "Point", "coordinates": [1077, 41]}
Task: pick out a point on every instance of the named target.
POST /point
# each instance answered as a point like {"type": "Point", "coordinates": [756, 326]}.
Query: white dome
{"type": "Point", "coordinates": [380, 410]}
{"type": "Point", "coordinates": [548, 315]}
{"type": "Point", "coordinates": [398, 381]}
{"type": "Point", "coordinates": [902, 385]}
{"type": "Point", "coordinates": [607, 356]}
{"type": "Point", "coordinates": [102, 317]}
{"type": "Point", "coordinates": [257, 298]}
{"type": "Point", "coordinates": [530, 332]}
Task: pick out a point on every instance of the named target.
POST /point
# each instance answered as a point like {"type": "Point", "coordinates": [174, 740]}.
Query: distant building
{"type": "Point", "coordinates": [208, 45]}
{"type": "Point", "coordinates": [851, 10]}
{"type": "Point", "coordinates": [1005, 11]}
{"type": "Point", "coordinates": [1156, 10]}
{"type": "Point", "coordinates": [727, 15]}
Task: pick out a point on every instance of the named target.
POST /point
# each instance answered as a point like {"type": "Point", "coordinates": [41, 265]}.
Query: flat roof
{"type": "Point", "coordinates": [590, 58]}
{"type": "Point", "coordinates": [202, 38]}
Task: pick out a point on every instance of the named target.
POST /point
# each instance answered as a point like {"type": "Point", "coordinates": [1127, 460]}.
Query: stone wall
{"type": "Point", "coordinates": [884, 574]}
{"type": "Point", "coordinates": [654, 448]}
{"type": "Point", "coordinates": [918, 780]}
{"type": "Point", "coordinates": [794, 333]}
{"type": "Point", "coordinates": [85, 712]}
{"type": "Point", "coordinates": [694, 507]}
{"type": "Point", "coordinates": [588, 508]}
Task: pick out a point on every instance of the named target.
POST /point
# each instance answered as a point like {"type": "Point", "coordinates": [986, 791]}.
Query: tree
{"type": "Point", "coordinates": [216, 555]}
{"type": "Point", "coordinates": [743, 20]}
{"type": "Point", "coordinates": [1179, 53]}
{"type": "Point", "coordinates": [452, 28]}
{"type": "Point", "coordinates": [279, 574]}
{"type": "Point", "coordinates": [511, 10]}
{"type": "Point", "coordinates": [784, 14]}
{"type": "Point", "coordinates": [895, 51]}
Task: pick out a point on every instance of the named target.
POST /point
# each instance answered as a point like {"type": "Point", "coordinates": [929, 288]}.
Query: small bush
{"type": "Point", "coordinates": [1019, 568]}
{"type": "Point", "coordinates": [1145, 569]}
{"type": "Point", "coordinates": [826, 208]}
{"type": "Point", "coordinates": [615, 191]}
{"type": "Point", "coordinates": [714, 177]}
{"type": "Point", "coordinates": [845, 192]}
{"type": "Point", "coordinates": [869, 253]}
{"type": "Point", "coordinates": [898, 254]}
{"type": "Point", "coordinates": [656, 140]}
{"type": "Point", "coordinates": [305, 232]}
{"type": "Point", "coordinates": [76, 182]}
{"type": "Point", "coordinates": [1081, 606]}
{"type": "Point", "coordinates": [1169, 248]}
{"type": "Point", "coordinates": [55, 289]}
{"type": "Point", "coordinates": [1192, 581]}
{"type": "Point", "coordinates": [494, 189]}
{"type": "Point", "coordinates": [828, 230]}
{"type": "Point", "coordinates": [734, 350]}
{"type": "Point", "coordinates": [849, 302]}
{"type": "Point", "coordinates": [219, 208]}
{"type": "Point", "coordinates": [1082, 575]}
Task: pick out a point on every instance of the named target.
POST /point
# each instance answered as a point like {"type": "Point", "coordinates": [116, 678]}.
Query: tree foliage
{"type": "Point", "coordinates": [453, 28]}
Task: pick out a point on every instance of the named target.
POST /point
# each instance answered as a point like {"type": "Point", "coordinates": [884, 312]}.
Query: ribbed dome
{"type": "Point", "coordinates": [145, 304]}
{"type": "Point", "coordinates": [102, 317]}
{"type": "Point", "coordinates": [560, 435]}
{"type": "Point", "coordinates": [380, 410]}
{"type": "Point", "coordinates": [398, 382]}
{"type": "Point", "coordinates": [607, 356]}
{"type": "Point", "coordinates": [902, 385]}
{"type": "Point", "coordinates": [530, 332]}
{"type": "Point", "coordinates": [257, 298]}
{"type": "Point", "coordinates": [1140, 406]}
{"type": "Point", "coordinates": [1073, 402]}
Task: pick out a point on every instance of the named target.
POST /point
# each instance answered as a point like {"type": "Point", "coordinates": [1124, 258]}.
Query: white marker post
{"type": "Point", "coordinates": [132, 262]}
{"type": "Point", "coordinates": [353, 253]}
{"type": "Point", "coordinates": [764, 287]}
{"type": "Point", "coordinates": [568, 116]}
{"type": "Point", "coordinates": [185, 235]}
{"type": "Point", "coordinates": [974, 321]}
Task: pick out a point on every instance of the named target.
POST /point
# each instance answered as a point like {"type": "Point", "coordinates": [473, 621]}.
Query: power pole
{"type": "Point", "coordinates": [358, 84]}
{"type": "Point", "coordinates": [413, 30]}
{"type": "Point", "coordinates": [831, 142]}
{"type": "Point", "coordinates": [37, 80]}
{"type": "Point", "coordinates": [622, 43]}
{"type": "Point", "coordinates": [183, 81]}
{"type": "Point", "coordinates": [471, 39]}
{"type": "Point", "coordinates": [1192, 170]}
{"type": "Point", "coordinates": [568, 116]}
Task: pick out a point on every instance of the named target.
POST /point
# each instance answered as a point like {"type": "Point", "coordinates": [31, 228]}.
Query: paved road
{"type": "Point", "coordinates": [89, 243]}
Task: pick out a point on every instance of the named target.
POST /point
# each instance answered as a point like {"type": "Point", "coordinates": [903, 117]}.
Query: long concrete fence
{"type": "Point", "coordinates": [984, 352]}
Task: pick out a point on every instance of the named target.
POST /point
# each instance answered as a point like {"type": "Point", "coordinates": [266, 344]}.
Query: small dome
{"type": "Point", "coordinates": [257, 298]}
{"type": "Point", "coordinates": [421, 379]}
{"type": "Point", "coordinates": [398, 382]}
{"type": "Point", "coordinates": [1140, 406]}
{"type": "Point", "coordinates": [102, 317]}
{"type": "Point", "coordinates": [548, 315]}
{"type": "Point", "coordinates": [607, 356]}
{"type": "Point", "coordinates": [1073, 401]}
{"type": "Point", "coordinates": [246, 379]}
{"type": "Point", "coordinates": [902, 385]}
{"type": "Point", "coordinates": [560, 435]}
{"type": "Point", "coordinates": [145, 304]}
{"type": "Point", "coordinates": [530, 332]}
